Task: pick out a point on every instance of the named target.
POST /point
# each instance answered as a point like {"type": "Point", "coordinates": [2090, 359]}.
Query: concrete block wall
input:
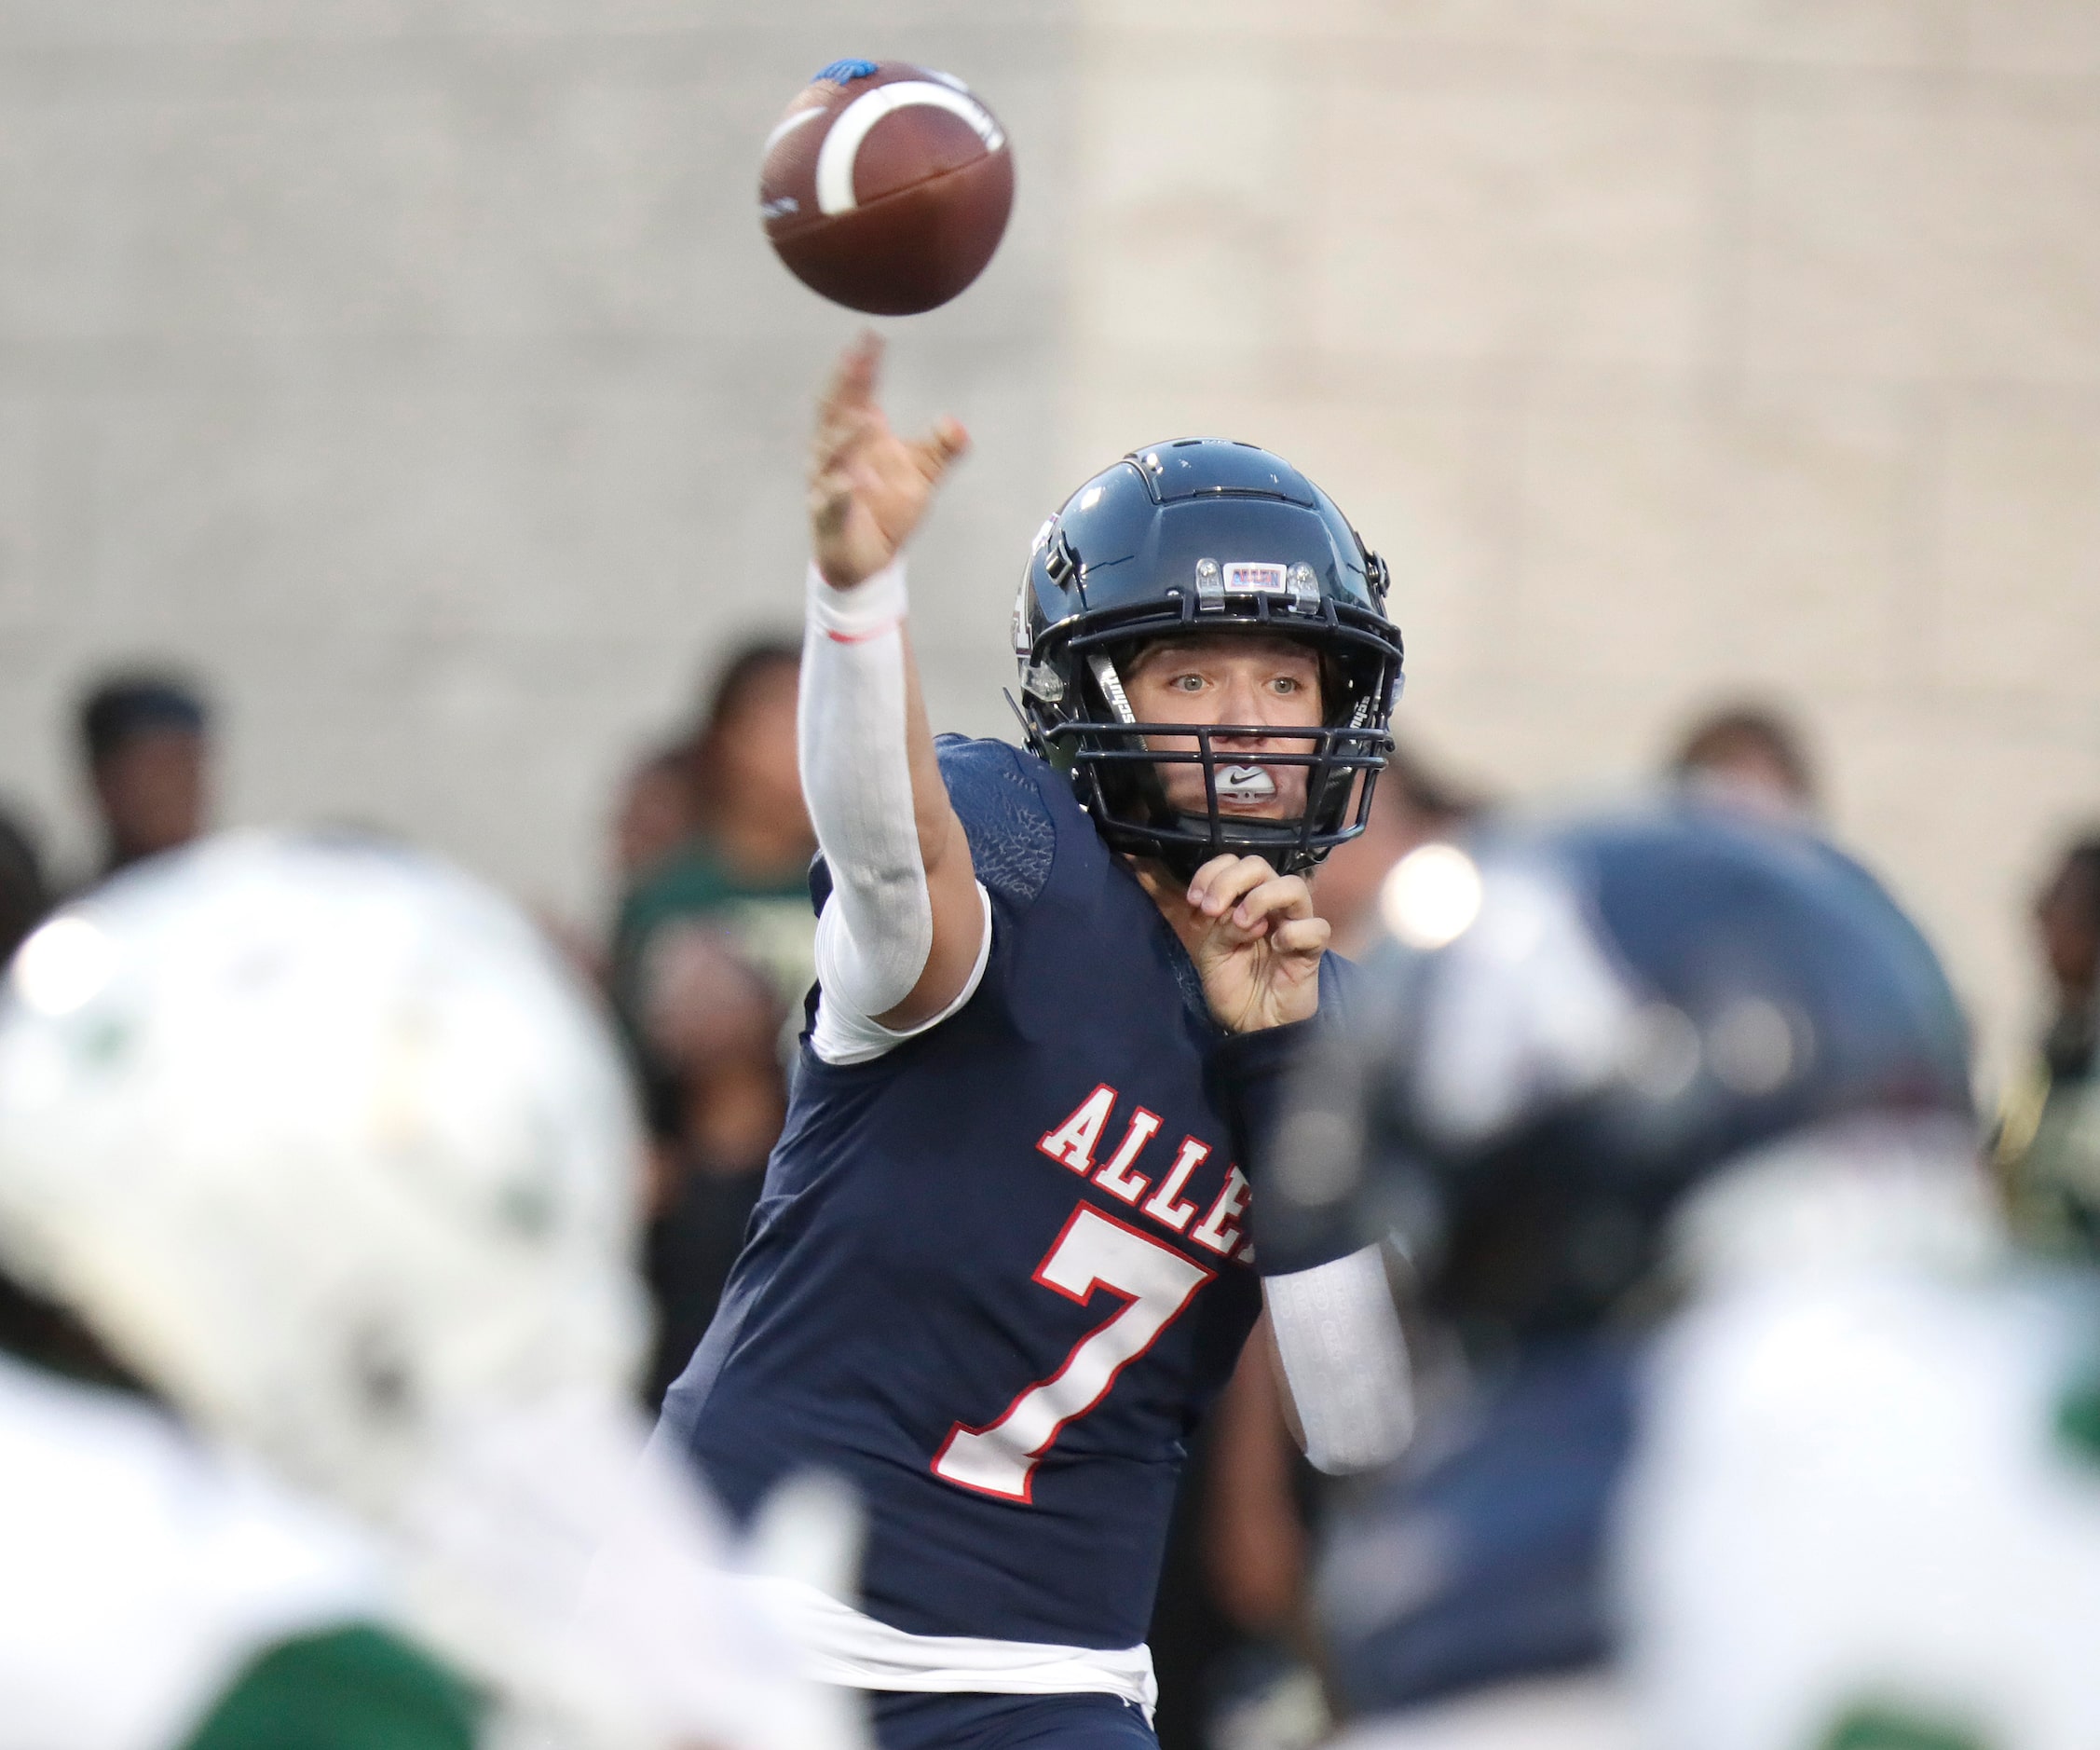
{"type": "Point", "coordinates": [415, 368]}
{"type": "Point", "coordinates": [416, 371]}
{"type": "Point", "coordinates": [1673, 349]}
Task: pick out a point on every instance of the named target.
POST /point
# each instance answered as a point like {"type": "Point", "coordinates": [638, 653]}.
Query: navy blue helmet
{"type": "Point", "coordinates": [1196, 535]}
{"type": "Point", "coordinates": [1571, 1024]}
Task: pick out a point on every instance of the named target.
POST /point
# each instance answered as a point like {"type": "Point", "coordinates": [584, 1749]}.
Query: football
{"type": "Point", "coordinates": [885, 187]}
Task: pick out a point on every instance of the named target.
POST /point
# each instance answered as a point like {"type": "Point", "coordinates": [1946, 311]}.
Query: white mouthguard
{"type": "Point", "coordinates": [1246, 782]}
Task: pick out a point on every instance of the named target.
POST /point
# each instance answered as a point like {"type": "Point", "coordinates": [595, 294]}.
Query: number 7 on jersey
{"type": "Point", "coordinates": [1094, 1251]}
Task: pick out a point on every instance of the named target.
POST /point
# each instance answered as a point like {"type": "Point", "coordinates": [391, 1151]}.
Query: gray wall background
{"type": "Point", "coordinates": [1670, 348]}
{"type": "Point", "coordinates": [418, 371]}
{"type": "Point", "coordinates": [418, 374]}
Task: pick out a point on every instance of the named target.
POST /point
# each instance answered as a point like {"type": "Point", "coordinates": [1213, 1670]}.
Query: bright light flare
{"type": "Point", "coordinates": [1432, 895]}
{"type": "Point", "coordinates": [62, 965]}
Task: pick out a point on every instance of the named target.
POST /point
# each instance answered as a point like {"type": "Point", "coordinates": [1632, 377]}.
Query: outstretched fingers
{"type": "Point", "coordinates": [854, 377]}
{"type": "Point", "coordinates": [847, 412]}
{"type": "Point", "coordinates": [868, 487]}
{"type": "Point", "coordinates": [940, 449]}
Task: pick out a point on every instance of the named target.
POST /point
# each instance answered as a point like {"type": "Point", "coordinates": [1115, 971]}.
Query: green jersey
{"type": "Point", "coordinates": [771, 924]}
{"type": "Point", "coordinates": [160, 1595]}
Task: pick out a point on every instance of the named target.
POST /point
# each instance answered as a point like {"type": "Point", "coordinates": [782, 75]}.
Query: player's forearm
{"type": "Point", "coordinates": [951, 877]}
{"type": "Point", "coordinates": [1334, 1332]}
{"type": "Point", "coordinates": [880, 810]}
{"type": "Point", "coordinates": [1341, 1362]}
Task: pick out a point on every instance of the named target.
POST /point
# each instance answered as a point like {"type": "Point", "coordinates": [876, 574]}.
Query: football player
{"type": "Point", "coordinates": [315, 1145]}
{"type": "Point", "coordinates": [1738, 1429]}
{"type": "Point", "coordinates": [1002, 1262]}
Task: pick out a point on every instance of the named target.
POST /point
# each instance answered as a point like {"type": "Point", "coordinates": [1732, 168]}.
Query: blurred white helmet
{"type": "Point", "coordinates": [318, 1135]}
{"type": "Point", "coordinates": [322, 1139]}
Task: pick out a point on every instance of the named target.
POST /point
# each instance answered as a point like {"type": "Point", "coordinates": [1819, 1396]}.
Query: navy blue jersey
{"type": "Point", "coordinates": [998, 1273]}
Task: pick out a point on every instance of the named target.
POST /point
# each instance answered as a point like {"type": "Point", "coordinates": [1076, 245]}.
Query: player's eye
{"type": "Point", "coordinates": [1287, 683]}
{"type": "Point", "coordinates": [1187, 683]}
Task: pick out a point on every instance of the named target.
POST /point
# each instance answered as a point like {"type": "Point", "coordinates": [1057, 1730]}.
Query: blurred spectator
{"type": "Point", "coordinates": [1262, 1500]}
{"type": "Point", "coordinates": [656, 815]}
{"type": "Point", "coordinates": [23, 896]}
{"type": "Point", "coordinates": [2049, 1159]}
{"type": "Point", "coordinates": [1253, 1536]}
{"type": "Point", "coordinates": [145, 738]}
{"type": "Point", "coordinates": [745, 869]}
{"type": "Point", "coordinates": [1225, 1632]}
{"type": "Point", "coordinates": [2068, 920]}
{"type": "Point", "coordinates": [1193, 1642]}
{"type": "Point", "coordinates": [1410, 806]}
{"type": "Point", "coordinates": [718, 1096]}
{"type": "Point", "coordinates": [1749, 754]}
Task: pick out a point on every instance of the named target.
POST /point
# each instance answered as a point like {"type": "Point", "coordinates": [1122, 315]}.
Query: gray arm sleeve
{"type": "Point", "coordinates": [878, 929]}
{"type": "Point", "coordinates": [1344, 1359]}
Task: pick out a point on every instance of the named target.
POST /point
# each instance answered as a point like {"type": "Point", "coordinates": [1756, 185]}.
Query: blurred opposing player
{"type": "Point", "coordinates": [1865, 1513]}
{"type": "Point", "coordinates": [1603, 1065]}
{"type": "Point", "coordinates": [315, 1143]}
{"type": "Point", "coordinates": [1001, 1265]}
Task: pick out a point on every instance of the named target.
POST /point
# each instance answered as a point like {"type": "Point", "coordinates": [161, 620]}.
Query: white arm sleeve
{"type": "Point", "coordinates": [1345, 1358]}
{"type": "Point", "coordinates": [878, 927]}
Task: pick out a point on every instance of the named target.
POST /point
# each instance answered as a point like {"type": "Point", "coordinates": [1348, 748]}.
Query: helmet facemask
{"type": "Point", "coordinates": [1121, 762]}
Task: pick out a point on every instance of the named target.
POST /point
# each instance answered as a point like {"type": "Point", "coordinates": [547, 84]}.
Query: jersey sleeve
{"type": "Point", "coordinates": [997, 795]}
{"type": "Point", "coordinates": [1012, 834]}
{"type": "Point", "coordinates": [1257, 1077]}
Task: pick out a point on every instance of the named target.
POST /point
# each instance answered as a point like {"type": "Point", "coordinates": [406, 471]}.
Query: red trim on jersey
{"type": "Point", "coordinates": [1026, 1495]}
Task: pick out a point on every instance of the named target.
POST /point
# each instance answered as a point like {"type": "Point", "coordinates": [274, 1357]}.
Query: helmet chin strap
{"type": "Point", "coordinates": [1247, 829]}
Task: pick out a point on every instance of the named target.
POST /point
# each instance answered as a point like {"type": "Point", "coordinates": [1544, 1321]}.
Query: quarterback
{"type": "Point", "coordinates": [1002, 1261]}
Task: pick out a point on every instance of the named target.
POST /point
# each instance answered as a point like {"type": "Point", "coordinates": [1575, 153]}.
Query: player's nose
{"type": "Point", "coordinates": [1249, 704]}
{"type": "Point", "coordinates": [1241, 703]}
